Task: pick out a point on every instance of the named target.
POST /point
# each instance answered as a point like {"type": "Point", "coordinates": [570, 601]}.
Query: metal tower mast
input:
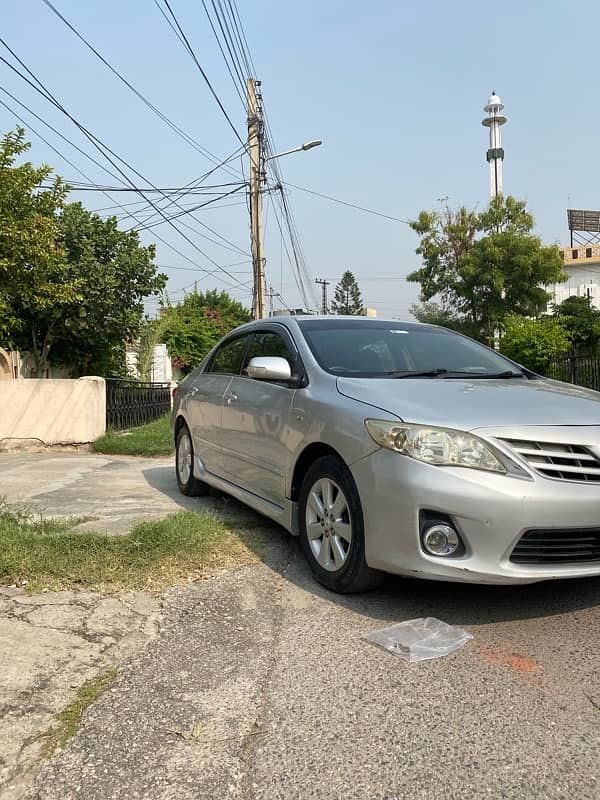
{"type": "Point", "coordinates": [495, 153]}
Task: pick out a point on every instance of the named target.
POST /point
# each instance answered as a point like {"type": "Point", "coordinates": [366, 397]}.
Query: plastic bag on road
{"type": "Point", "coordinates": [419, 639]}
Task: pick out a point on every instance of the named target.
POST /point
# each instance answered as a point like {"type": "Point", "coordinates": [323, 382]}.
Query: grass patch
{"type": "Point", "coordinates": [181, 547]}
{"type": "Point", "coordinates": [70, 717]}
{"type": "Point", "coordinates": [153, 439]}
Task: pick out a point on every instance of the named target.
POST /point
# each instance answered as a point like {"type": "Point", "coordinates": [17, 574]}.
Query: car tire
{"type": "Point", "coordinates": [332, 528]}
{"type": "Point", "coordinates": [184, 459]}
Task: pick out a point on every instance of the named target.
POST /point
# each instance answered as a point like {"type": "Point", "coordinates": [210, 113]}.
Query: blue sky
{"type": "Point", "coordinates": [394, 89]}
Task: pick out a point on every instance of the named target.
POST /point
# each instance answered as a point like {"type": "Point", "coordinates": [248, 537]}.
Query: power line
{"type": "Point", "coordinates": [190, 50]}
{"type": "Point", "coordinates": [184, 190]}
{"type": "Point", "coordinates": [179, 131]}
{"type": "Point", "coordinates": [345, 203]}
{"type": "Point", "coordinates": [101, 147]}
{"type": "Point", "coordinates": [227, 64]}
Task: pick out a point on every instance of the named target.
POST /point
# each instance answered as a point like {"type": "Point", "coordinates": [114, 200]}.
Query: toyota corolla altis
{"type": "Point", "coordinates": [396, 447]}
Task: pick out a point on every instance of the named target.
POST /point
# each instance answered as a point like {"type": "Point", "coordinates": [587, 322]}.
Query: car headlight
{"type": "Point", "coordinates": [443, 447]}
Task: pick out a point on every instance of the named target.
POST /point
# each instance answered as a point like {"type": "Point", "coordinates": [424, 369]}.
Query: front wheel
{"type": "Point", "coordinates": [184, 460]}
{"type": "Point", "coordinates": [332, 528]}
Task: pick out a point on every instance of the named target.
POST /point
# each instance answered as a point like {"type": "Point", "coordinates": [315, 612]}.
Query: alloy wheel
{"type": "Point", "coordinates": [328, 524]}
{"type": "Point", "coordinates": [184, 458]}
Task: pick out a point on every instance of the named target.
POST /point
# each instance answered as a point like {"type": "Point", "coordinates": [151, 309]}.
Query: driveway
{"type": "Point", "coordinates": [259, 685]}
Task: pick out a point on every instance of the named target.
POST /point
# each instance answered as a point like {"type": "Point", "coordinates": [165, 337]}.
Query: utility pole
{"type": "Point", "coordinates": [255, 150]}
{"type": "Point", "coordinates": [271, 294]}
{"type": "Point", "coordinates": [324, 285]}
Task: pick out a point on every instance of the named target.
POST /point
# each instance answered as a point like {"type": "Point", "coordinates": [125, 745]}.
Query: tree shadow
{"type": "Point", "coordinates": [399, 598]}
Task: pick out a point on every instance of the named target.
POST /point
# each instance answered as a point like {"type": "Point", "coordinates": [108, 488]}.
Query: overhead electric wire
{"type": "Point", "coordinates": [346, 203]}
{"type": "Point", "coordinates": [58, 133]}
{"type": "Point", "coordinates": [176, 128]}
{"type": "Point", "coordinates": [230, 42]}
{"type": "Point", "coordinates": [187, 211]}
{"type": "Point", "coordinates": [202, 72]}
{"type": "Point", "coordinates": [227, 64]}
{"type": "Point", "coordinates": [246, 49]}
{"type": "Point", "coordinates": [228, 244]}
{"type": "Point", "coordinates": [101, 147]}
{"type": "Point", "coordinates": [241, 42]}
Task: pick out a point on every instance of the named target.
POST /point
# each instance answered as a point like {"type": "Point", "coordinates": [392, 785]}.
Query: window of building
{"type": "Point", "coordinates": [588, 252]}
{"type": "Point", "coordinates": [574, 254]}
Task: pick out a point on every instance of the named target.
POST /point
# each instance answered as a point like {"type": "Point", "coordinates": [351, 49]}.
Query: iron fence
{"type": "Point", "coordinates": [582, 369]}
{"type": "Point", "coordinates": [131, 403]}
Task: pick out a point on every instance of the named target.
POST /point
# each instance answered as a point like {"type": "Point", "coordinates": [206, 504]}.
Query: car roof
{"type": "Point", "coordinates": [292, 320]}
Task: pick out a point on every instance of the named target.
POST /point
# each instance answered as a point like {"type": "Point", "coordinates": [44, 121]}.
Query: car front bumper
{"type": "Point", "coordinates": [490, 511]}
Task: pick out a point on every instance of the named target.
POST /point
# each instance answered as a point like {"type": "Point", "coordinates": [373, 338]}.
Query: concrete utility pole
{"type": "Point", "coordinates": [271, 294]}
{"type": "Point", "coordinates": [255, 150]}
{"type": "Point", "coordinates": [495, 153]}
{"type": "Point", "coordinates": [324, 285]}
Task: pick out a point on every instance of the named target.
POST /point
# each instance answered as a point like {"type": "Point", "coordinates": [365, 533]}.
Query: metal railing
{"type": "Point", "coordinates": [131, 403]}
{"type": "Point", "coordinates": [582, 369]}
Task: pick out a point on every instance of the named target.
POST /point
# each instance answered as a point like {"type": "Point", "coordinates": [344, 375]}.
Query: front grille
{"type": "Point", "coordinates": [558, 546]}
{"type": "Point", "coordinates": [567, 462]}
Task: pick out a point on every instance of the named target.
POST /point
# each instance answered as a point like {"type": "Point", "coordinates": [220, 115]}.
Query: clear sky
{"type": "Point", "coordinates": [394, 89]}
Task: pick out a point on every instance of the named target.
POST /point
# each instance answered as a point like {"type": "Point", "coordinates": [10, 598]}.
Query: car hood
{"type": "Point", "coordinates": [470, 404]}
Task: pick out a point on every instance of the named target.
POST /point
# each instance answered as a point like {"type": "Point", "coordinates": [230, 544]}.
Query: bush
{"type": "Point", "coordinates": [534, 343]}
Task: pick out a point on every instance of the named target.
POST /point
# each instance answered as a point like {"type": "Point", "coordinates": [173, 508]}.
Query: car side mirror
{"type": "Point", "coordinates": [269, 368]}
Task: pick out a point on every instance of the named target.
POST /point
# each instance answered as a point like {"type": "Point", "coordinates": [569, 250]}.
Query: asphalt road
{"type": "Point", "coordinates": [259, 685]}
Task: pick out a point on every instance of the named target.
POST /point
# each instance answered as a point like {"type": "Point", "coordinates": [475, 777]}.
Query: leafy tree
{"type": "Point", "coordinates": [579, 317]}
{"type": "Point", "coordinates": [435, 314]}
{"type": "Point", "coordinates": [191, 328]}
{"type": "Point", "coordinates": [485, 265]}
{"type": "Point", "coordinates": [346, 298]}
{"type": "Point", "coordinates": [534, 343]}
{"type": "Point", "coordinates": [116, 274]}
{"type": "Point", "coordinates": [36, 283]}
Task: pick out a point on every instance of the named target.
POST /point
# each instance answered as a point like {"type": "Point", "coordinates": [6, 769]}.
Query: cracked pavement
{"type": "Point", "coordinates": [258, 686]}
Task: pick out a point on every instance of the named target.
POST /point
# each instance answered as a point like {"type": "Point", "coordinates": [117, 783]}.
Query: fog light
{"type": "Point", "coordinates": [441, 540]}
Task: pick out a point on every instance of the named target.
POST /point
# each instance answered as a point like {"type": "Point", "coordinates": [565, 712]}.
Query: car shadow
{"type": "Point", "coordinates": [399, 598]}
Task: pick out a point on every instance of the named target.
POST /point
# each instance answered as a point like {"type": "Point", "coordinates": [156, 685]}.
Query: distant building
{"type": "Point", "coordinates": [581, 260]}
{"type": "Point", "coordinates": [582, 265]}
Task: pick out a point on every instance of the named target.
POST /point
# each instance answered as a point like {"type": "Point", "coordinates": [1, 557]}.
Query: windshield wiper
{"type": "Point", "coordinates": [439, 372]}
{"type": "Point", "coordinates": [426, 373]}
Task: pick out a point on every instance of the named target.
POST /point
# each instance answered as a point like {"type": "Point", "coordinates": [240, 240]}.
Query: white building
{"type": "Point", "coordinates": [581, 260]}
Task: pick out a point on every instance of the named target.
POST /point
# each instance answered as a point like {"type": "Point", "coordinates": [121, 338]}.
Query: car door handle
{"type": "Point", "coordinates": [230, 397]}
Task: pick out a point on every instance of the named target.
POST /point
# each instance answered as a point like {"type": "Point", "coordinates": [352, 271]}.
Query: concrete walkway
{"type": "Point", "coordinates": [118, 491]}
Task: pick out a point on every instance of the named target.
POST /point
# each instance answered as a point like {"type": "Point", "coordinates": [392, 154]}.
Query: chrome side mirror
{"type": "Point", "coordinates": [269, 368]}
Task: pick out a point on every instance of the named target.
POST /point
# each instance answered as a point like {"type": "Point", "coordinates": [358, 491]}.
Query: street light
{"type": "Point", "coordinates": [305, 146]}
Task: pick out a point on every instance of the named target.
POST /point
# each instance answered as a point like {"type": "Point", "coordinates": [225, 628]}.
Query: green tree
{"type": "Point", "coordinates": [485, 265]}
{"type": "Point", "coordinates": [117, 274]}
{"type": "Point", "coordinates": [36, 283]}
{"type": "Point", "coordinates": [347, 299]}
{"type": "Point", "coordinates": [435, 314]}
{"type": "Point", "coordinates": [581, 320]}
{"type": "Point", "coordinates": [534, 343]}
{"type": "Point", "coordinates": [191, 328]}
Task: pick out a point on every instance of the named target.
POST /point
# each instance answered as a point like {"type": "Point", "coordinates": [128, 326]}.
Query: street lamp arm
{"type": "Point", "coordinates": [305, 146]}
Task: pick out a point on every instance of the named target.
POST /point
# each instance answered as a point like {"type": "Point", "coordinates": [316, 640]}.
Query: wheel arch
{"type": "Point", "coordinates": [180, 422]}
{"type": "Point", "coordinates": [305, 460]}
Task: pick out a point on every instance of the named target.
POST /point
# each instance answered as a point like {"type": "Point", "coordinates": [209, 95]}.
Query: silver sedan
{"type": "Point", "coordinates": [396, 447]}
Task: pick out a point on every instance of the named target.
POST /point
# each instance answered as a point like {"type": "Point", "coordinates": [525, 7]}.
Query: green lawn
{"type": "Point", "coordinates": [153, 439]}
{"type": "Point", "coordinates": [49, 554]}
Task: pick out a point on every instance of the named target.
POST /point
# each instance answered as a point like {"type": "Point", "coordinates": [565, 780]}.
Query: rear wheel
{"type": "Point", "coordinates": [184, 460]}
{"type": "Point", "coordinates": [332, 528]}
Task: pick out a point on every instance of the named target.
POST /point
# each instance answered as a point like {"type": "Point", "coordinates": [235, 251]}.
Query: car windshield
{"type": "Point", "coordinates": [375, 349]}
